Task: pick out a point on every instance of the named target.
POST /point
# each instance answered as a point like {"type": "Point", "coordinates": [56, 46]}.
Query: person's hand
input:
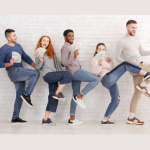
{"type": "Point", "coordinates": [41, 58]}
{"type": "Point", "coordinates": [33, 65]}
{"type": "Point", "coordinates": [12, 61]}
{"type": "Point", "coordinates": [100, 62]}
{"type": "Point", "coordinates": [76, 53]}
{"type": "Point", "coordinates": [133, 62]}
{"type": "Point", "coordinates": [109, 59]}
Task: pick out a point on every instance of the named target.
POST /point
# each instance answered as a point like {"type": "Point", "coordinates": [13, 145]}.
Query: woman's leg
{"type": "Point", "coordinates": [52, 103]}
{"type": "Point", "coordinates": [63, 76]}
{"type": "Point", "coordinates": [115, 99]}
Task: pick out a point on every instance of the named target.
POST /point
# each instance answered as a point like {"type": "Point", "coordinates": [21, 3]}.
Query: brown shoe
{"type": "Point", "coordinates": [143, 90]}
{"type": "Point", "coordinates": [134, 121]}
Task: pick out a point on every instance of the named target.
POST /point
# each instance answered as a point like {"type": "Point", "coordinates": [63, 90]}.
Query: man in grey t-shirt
{"type": "Point", "coordinates": [129, 48]}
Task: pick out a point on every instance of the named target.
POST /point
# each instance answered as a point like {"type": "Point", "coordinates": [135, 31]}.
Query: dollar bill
{"type": "Point", "coordinates": [100, 55]}
{"type": "Point", "coordinates": [17, 57]}
{"type": "Point", "coordinates": [75, 46]}
{"type": "Point", "coordinates": [39, 51]}
{"type": "Point", "coordinates": [133, 58]}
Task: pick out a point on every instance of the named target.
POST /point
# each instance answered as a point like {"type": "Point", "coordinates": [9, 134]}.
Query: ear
{"type": "Point", "coordinates": [65, 37]}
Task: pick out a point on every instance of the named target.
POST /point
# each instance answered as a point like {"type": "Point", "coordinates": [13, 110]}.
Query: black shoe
{"type": "Point", "coordinates": [146, 76]}
{"type": "Point", "coordinates": [18, 120]}
{"type": "Point", "coordinates": [27, 99]}
{"type": "Point", "coordinates": [107, 123]}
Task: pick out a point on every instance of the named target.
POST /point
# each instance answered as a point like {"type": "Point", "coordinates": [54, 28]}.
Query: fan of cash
{"type": "Point", "coordinates": [75, 46]}
{"type": "Point", "coordinates": [39, 51]}
{"type": "Point", "coordinates": [100, 55]}
{"type": "Point", "coordinates": [133, 58]}
{"type": "Point", "coordinates": [17, 57]}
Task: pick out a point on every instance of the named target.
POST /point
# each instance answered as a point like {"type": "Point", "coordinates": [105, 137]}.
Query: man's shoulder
{"type": "Point", "coordinates": [4, 47]}
{"type": "Point", "coordinates": [66, 47]}
{"type": "Point", "coordinates": [122, 39]}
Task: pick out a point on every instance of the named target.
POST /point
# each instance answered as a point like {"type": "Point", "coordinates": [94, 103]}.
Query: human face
{"type": "Point", "coordinates": [45, 42]}
{"type": "Point", "coordinates": [69, 38]}
{"type": "Point", "coordinates": [101, 48]}
{"type": "Point", "coordinates": [12, 37]}
{"type": "Point", "coordinates": [131, 29]}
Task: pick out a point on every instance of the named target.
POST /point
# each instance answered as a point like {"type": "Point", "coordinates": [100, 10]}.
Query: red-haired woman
{"type": "Point", "coordinates": [50, 69]}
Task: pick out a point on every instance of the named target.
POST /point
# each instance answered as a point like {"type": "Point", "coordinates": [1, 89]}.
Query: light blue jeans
{"type": "Point", "coordinates": [19, 75]}
{"type": "Point", "coordinates": [110, 79]}
{"type": "Point", "coordinates": [82, 76]}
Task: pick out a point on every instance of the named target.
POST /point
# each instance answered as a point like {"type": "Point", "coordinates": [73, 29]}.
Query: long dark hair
{"type": "Point", "coordinates": [98, 46]}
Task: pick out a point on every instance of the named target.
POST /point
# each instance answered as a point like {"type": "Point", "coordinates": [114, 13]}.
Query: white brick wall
{"type": "Point", "coordinates": [88, 30]}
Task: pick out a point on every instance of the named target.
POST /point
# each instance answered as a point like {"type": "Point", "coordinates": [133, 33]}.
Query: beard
{"type": "Point", "coordinates": [69, 42]}
{"type": "Point", "coordinates": [131, 34]}
{"type": "Point", "coordinates": [13, 41]}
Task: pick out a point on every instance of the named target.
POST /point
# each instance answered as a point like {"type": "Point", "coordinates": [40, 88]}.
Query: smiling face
{"type": "Point", "coordinates": [69, 37]}
{"type": "Point", "coordinates": [101, 48]}
{"type": "Point", "coordinates": [131, 29]}
{"type": "Point", "coordinates": [12, 37]}
{"type": "Point", "coordinates": [45, 42]}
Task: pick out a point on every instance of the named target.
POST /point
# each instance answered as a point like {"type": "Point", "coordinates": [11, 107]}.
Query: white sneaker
{"type": "Point", "coordinates": [79, 101]}
{"type": "Point", "coordinates": [75, 122]}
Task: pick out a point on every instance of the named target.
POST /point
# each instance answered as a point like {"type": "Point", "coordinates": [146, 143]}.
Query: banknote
{"type": "Point", "coordinates": [75, 46]}
{"type": "Point", "coordinates": [17, 57]}
{"type": "Point", "coordinates": [133, 58]}
{"type": "Point", "coordinates": [39, 51]}
{"type": "Point", "coordinates": [100, 55]}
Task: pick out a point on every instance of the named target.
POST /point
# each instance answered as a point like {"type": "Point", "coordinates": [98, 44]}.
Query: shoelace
{"type": "Point", "coordinates": [50, 120]}
{"type": "Point", "coordinates": [62, 94]}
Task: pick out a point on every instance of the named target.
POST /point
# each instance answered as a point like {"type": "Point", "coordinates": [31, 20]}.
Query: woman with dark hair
{"type": "Point", "coordinates": [50, 69]}
{"type": "Point", "coordinates": [110, 76]}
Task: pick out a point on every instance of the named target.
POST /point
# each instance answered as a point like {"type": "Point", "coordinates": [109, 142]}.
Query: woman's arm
{"type": "Point", "coordinates": [96, 68]}
{"type": "Point", "coordinates": [38, 63]}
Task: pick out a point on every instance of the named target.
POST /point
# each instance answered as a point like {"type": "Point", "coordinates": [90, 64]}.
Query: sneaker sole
{"type": "Point", "coordinates": [59, 99]}
{"type": "Point", "coordinates": [107, 124]}
{"type": "Point", "coordinates": [18, 123]}
{"type": "Point", "coordinates": [25, 101]}
{"type": "Point", "coordinates": [141, 90]}
{"type": "Point", "coordinates": [48, 124]}
{"type": "Point", "coordinates": [79, 104]}
{"type": "Point", "coordinates": [147, 77]}
{"type": "Point", "coordinates": [130, 122]}
{"type": "Point", "coordinates": [73, 124]}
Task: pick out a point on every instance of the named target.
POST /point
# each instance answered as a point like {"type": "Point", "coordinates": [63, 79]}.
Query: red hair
{"type": "Point", "coordinates": [50, 50]}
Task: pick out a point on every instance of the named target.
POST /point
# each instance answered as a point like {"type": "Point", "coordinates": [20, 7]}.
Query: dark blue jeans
{"type": "Point", "coordinates": [19, 75]}
{"type": "Point", "coordinates": [110, 79]}
{"type": "Point", "coordinates": [52, 78]}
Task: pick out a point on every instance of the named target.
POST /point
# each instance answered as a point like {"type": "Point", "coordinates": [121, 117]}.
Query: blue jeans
{"type": "Point", "coordinates": [52, 78]}
{"type": "Point", "coordinates": [82, 76]}
{"type": "Point", "coordinates": [110, 79]}
{"type": "Point", "coordinates": [19, 75]}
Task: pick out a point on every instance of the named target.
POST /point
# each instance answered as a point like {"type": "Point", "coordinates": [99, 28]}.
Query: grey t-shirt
{"type": "Point", "coordinates": [128, 46]}
{"type": "Point", "coordinates": [46, 66]}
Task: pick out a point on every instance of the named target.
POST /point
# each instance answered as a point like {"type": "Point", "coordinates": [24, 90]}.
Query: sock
{"type": "Point", "coordinates": [144, 84]}
{"type": "Point", "coordinates": [131, 115]}
{"type": "Point", "coordinates": [105, 120]}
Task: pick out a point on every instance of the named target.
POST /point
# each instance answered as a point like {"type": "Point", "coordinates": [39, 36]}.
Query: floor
{"type": "Point", "coordinates": [63, 128]}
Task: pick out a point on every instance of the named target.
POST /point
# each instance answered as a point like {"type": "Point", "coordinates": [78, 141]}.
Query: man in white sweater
{"type": "Point", "coordinates": [130, 45]}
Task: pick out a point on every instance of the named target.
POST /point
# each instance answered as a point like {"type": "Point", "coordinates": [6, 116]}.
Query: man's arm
{"type": "Point", "coordinates": [119, 51]}
{"type": "Point", "coordinates": [65, 59]}
{"type": "Point", "coordinates": [3, 64]}
{"type": "Point", "coordinates": [142, 51]}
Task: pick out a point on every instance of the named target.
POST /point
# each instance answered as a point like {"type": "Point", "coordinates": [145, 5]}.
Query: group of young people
{"type": "Point", "coordinates": [49, 67]}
